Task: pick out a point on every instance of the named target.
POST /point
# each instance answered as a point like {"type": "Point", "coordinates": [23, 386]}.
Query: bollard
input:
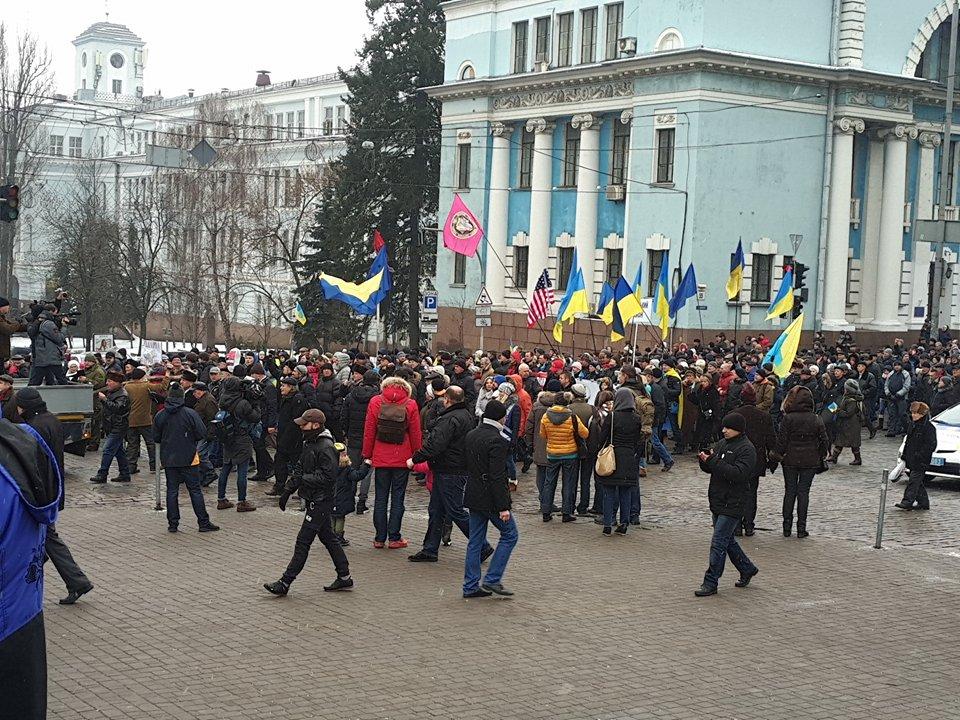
{"type": "Point", "coordinates": [156, 449]}
{"type": "Point", "coordinates": [884, 483]}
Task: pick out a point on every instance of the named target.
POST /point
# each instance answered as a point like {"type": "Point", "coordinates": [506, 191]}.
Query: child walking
{"type": "Point", "coordinates": [344, 501]}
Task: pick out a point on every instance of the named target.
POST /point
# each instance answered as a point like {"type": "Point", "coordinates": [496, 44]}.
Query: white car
{"type": "Point", "coordinates": [945, 462]}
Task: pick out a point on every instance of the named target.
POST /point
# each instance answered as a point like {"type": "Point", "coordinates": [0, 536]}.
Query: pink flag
{"type": "Point", "coordinates": [462, 232]}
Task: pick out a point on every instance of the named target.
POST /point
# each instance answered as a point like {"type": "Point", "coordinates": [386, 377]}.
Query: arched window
{"type": "Point", "coordinates": [936, 55]}
{"type": "Point", "coordinates": [670, 39]}
{"type": "Point", "coordinates": [467, 72]}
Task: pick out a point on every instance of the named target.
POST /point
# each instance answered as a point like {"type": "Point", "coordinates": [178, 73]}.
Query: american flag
{"type": "Point", "coordinates": [541, 301]}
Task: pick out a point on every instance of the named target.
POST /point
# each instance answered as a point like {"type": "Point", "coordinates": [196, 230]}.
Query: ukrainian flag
{"type": "Point", "coordinates": [637, 286]}
{"type": "Point", "coordinates": [575, 301]}
{"type": "Point", "coordinates": [299, 314]}
{"type": "Point", "coordinates": [605, 304]}
{"type": "Point", "coordinates": [625, 308]}
{"type": "Point", "coordinates": [735, 282]}
{"type": "Point", "coordinates": [784, 350]}
{"type": "Point", "coordinates": [662, 297]}
{"type": "Point", "coordinates": [783, 302]}
{"type": "Point", "coordinates": [357, 296]}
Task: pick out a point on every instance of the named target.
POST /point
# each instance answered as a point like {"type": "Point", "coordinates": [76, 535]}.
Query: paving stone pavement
{"type": "Point", "coordinates": [179, 627]}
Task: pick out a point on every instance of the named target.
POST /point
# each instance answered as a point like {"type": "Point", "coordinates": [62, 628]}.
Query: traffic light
{"type": "Point", "coordinates": [9, 202]}
{"type": "Point", "coordinates": [800, 292]}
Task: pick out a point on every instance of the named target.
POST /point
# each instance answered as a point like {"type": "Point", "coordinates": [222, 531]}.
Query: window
{"type": "Point", "coordinates": [614, 29]}
{"type": "Point", "coordinates": [341, 119]}
{"type": "Point", "coordinates": [117, 87]}
{"type": "Point", "coordinates": [761, 278]}
{"type": "Point", "coordinates": [459, 269]}
{"type": "Point", "coordinates": [83, 84]}
{"type": "Point", "coordinates": [520, 31]}
{"type": "Point", "coordinates": [76, 147]}
{"type": "Point", "coordinates": [301, 122]}
{"type": "Point", "coordinates": [468, 72]}
{"type": "Point", "coordinates": [463, 166]}
{"type": "Point", "coordinates": [565, 40]}
{"type": "Point", "coordinates": [542, 47]}
{"type": "Point", "coordinates": [621, 153]}
{"type": "Point", "coordinates": [588, 41]}
{"type": "Point", "coordinates": [614, 266]}
{"type": "Point", "coordinates": [291, 125]}
{"type": "Point", "coordinates": [655, 263]}
{"type": "Point", "coordinates": [526, 158]}
{"type": "Point", "coordinates": [564, 264]}
{"type": "Point", "coordinates": [56, 144]}
{"type": "Point", "coordinates": [116, 60]}
{"type": "Point", "coordinates": [328, 121]}
{"type": "Point", "coordinates": [669, 40]}
{"type": "Point", "coordinates": [521, 256]}
{"type": "Point", "coordinates": [571, 156]}
{"type": "Point", "coordinates": [665, 151]}
{"type": "Point", "coordinates": [277, 200]}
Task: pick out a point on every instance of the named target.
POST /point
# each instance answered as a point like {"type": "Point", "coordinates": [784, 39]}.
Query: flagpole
{"type": "Point", "coordinates": [636, 329]}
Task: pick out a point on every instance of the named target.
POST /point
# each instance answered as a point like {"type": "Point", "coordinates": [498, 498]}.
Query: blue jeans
{"type": "Point", "coordinates": [241, 480]}
{"type": "Point", "coordinates": [446, 500]}
{"type": "Point", "coordinates": [478, 540]}
{"type": "Point", "coordinates": [568, 489]}
{"type": "Point", "coordinates": [206, 467]}
{"type": "Point", "coordinates": [389, 483]}
{"type": "Point", "coordinates": [113, 448]}
{"type": "Point", "coordinates": [616, 496]}
{"type": "Point", "coordinates": [658, 446]}
{"type": "Point", "coordinates": [189, 476]}
{"type": "Point", "coordinates": [723, 544]}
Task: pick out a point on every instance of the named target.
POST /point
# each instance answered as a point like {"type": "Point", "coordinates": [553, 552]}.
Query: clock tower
{"type": "Point", "coordinates": [109, 63]}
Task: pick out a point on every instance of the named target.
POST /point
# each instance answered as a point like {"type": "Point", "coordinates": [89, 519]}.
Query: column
{"type": "Point", "coordinates": [926, 179]}
{"type": "Point", "coordinates": [838, 229]}
{"type": "Point", "coordinates": [541, 186]}
{"type": "Point", "coordinates": [588, 181]}
{"type": "Point", "coordinates": [887, 308]}
{"type": "Point", "coordinates": [870, 237]}
{"type": "Point", "coordinates": [497, 214]}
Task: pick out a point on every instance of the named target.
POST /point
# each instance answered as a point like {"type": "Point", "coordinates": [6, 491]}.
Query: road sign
{"type": "Point", "coordinates": [701, 307]}
{"type": "Point", "coordinates": [483, 322]}
{"type": "Point", "coordinates": [930, 231]}
{"type": "Point", "coordinates": [483, 310]}
{"type": "Point", "coordinates": [428, 325]}
{"type": "Point", "coordinates": [430, 302]}
{"type": "Point", "coordinates": [203, 153]}
{"type": "Point", "coordinates": [484, 299]}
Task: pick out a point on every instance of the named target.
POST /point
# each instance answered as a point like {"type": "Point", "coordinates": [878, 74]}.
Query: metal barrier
{"type": "Point", "coordinates": [886, 478]}
{"type": "Point", "coordinates": [156, 448]}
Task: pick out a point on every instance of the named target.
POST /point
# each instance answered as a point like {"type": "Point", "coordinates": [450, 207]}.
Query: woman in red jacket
{"type": "Point", "coordinates": [391, 435]}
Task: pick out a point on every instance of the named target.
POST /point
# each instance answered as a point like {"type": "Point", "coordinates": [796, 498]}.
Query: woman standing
{"type": "Point", "coordinates": [621, 428]}
{"type": "Point", "coordinates": [604, 406]}
{"type": "Point", "coordinates": [917, 451]}
{"type": "Point", "coordinates": [849, 422]}
{"type": "Point", "coordinates": [707, 399]}
{"type": "Point", "coordinates": [802, 447]}
{"type": "Point", "coordinates": [488, 392]}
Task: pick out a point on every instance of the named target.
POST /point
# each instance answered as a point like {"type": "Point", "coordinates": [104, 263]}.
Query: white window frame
{"type": "Point", "coordinates": [665, 119]}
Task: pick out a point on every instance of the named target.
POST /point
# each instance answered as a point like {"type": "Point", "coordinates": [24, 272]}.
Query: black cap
{"type": "Point", "coordinates": [495, 410]}
{"type": "Point", "coordinates": [735, 421]}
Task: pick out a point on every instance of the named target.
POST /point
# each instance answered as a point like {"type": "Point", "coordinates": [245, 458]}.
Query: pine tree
{"type": "Point", "coordinates": [388, 176]}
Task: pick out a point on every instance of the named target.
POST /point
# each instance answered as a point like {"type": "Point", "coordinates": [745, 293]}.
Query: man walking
{"type": "Point", "coordinates": [116, 413]}
{"type": "Point", "coordinates": [141, 421]}
{"type": "Point", "coordinates": [206, 407]}
{"type": "Point", "coordinates": [730, 464]}
{"type": "Point", "coordinates": [288, 435]}
{"type": "Point", "coordinates": [488, 498]}
{"type": "Point", "coordinates": [179, 429]}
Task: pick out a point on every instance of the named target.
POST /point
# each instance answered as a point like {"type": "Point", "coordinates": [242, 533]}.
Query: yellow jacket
{"type": "Point", "coordinates": [556, 427]}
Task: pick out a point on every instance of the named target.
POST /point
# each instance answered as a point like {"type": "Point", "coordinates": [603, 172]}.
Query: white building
{"type": "Point", "coordinates": [285, 132]}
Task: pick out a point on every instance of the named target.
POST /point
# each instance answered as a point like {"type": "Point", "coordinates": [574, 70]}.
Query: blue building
{"type": "Point", "coordinates": [650, 131]}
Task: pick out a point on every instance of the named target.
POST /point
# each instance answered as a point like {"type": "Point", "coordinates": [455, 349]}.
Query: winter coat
{"type": "Point", "coordinates": [289, 437]}
{"type": "Point", "coordinates": [760, 433]}
{"type": "Point", "coordinates": [140, 403]}
{"type": "Point", "coordinates": [308, 391]}
{"type": "Point", "coordinates": [626, 442]}
{"type": "Point", "coordinates": [868, 385]}
{"type": "Point", "coordinates": [443, 447]}
{"type": "Point", "coordinates": [239, 447]}
{"type": "Point", "coordinates": [315, 479]}
{"type": "Point", "coordinates": [659, 404]}
{"type": "Point", "coordinates": [691, 415]}
{"type": "Point", "coordinates": [345, 494]}
{"type": "Point", "coordinates": [387, 455]}
{"type": "Point", "coordinates": [116, 411]}
{"type": "Point", "coordinates": [897, 385]}
{"type": "Point", "coordinates": [483, 397]}
{"type": "Point", "coordinates": [766, 391]}
{"type": "Point", "coordinates": [533, 436]}
{"type": "Point", "coordinates": [469, 387]}
{"type": "Point", "coordinates": [353, 413]}
{"type": "Point", "coordinates": [487, 490]}
{"type": "Point", "coordinates": [557, 427]}
{"type": "Point", "coordinates": [48, 345]}
{"type": "Point", "coordinates": [178, 429]}
{"type": "Point", "coordinates": [849, 421]}
{"type": "Point", "coordinates": [923, 388]}
{"type": "Point", "coordinates": [944, 400]}
{"type": "Point", "coordinates": [919, 446]}
{"type": "Point", "coordinates": [802, 440]}
{"type": "Point", "coordinates": [523, 400]}
{"type": "Point", "coordinates": [207, 408]}
{"type": "Point", "coordinates": [8, 407]}
{"type": "Point", "coordinates": [271, 403]}
{"type": "Point", "coordinates": [329, 396]}
{"type": "Point", "coordinates": [49, 427]}
{"type": "Point", "coordinates": [731, 465]}
{"type": "Point", "coordinates": [589, 416]}
{"type": "Point", "coordinates": [7, 328]}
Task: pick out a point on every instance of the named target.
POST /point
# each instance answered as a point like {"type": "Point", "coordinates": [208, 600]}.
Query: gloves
{"type": "Point", "coordinates": [283, 501]}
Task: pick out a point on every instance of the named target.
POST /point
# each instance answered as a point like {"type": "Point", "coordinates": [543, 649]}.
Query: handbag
{"type": "Point", "coordinates": [606, 464]}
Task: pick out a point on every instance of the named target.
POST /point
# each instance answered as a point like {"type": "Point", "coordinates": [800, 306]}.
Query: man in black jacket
{"type": "Point", "coordinates": [445, 452]}
{"type": "Point", "coordinates": [316, 484]}
{"type": "Point", "coordinates": [463, 379]}
{"type": "Point", "coordinates": [487, 496]}
{"type": "Point", "coordinates": [652, 377]}
{"type": "Point", "coordinates": [116, 416]}
{"type": "Point", "coordinates": [178, 429]}
{"type": "Point", "coordinates": [268, 416]}
{"type": "Point", "coordinates": [730, 464]}
{"type": "Point", "coordinates": [289, 437]}
{"type": "Point", "coordinates": [353, 415]}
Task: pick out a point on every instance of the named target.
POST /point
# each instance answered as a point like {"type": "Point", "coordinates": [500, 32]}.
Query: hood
{"type": "Point", "coordinates": [545, 398]}
{"type": "Point", "coordinates": [801, 402]}
{"type": "Point", "coordinates": [396, 390]}
{"type": "Point", "coordinates": [559, 414]}
{"type": "Point", "coordinates": [363, 393]}
{"type": "Point", "coordinates": [230, 393]}
{"type": "Point", "coordinates": [517, 381]}
{"type": "Point", "coordinates": [30, 470]}
{"type": "Point", "coordinates": [173, 404]}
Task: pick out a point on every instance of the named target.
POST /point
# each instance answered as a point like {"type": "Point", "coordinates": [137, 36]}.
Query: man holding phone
{"type": "Point", "coordinates": [730, 463]}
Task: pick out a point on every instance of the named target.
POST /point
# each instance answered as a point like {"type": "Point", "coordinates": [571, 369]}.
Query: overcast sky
{"type": "Point", "coordinates": [205, 44]}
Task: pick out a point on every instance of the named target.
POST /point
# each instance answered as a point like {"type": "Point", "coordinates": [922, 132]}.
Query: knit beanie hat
{"type": "Point", "coordinates": [735, 421]}
{"type": "Point", "coordinates": [495, 410]}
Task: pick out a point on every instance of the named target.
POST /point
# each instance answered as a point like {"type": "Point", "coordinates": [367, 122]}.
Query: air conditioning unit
{"type": "Point", "coordinates": [616, 193]}
{"type": "Point", "coordinates": [627, 46]}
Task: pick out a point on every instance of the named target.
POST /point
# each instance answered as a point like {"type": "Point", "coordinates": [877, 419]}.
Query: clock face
{"type": "Point", "coordinates": [116, 60]}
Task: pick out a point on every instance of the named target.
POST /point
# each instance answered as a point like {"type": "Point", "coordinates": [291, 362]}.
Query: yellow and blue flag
{"type": "Point", "coordinates": [735, 282]}
{"type": "Point", "coordinates": [783, 302]}
{"type": "Point", "coordinates": [625, 308]}
{"type": "Point", "coordinates": [685, 290]}
{"type": "Point", "coordinates": [637, 283]}
{"type": "Point", "coordinates": [661, 297]}
{"type": "Point", "coordinates": [784, 351]}
{"type": "Point", "coordinates": [363, 297]}
{"type": "Point", "coordinates": [299, 314]}
{"type": "Point", "coordinates": [575, 301]}
{"type": "Point", "coordinates": [605, 304]}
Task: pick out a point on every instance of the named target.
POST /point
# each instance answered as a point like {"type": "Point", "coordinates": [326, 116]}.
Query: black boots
{"type": "Point", "coordinates": [787, 527]}
{"type": "Point", "coordinates": [857, 460]}
{"type": "Point", "coordinates": [339, 584]}
{"type": "Point", "coordinates": [362, 505]}
{"type": "Point", "coordinates": [277, 588]}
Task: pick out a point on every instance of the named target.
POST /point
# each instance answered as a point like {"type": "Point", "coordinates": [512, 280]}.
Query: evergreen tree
{"type": "Point", "coordinates": [388, 176]}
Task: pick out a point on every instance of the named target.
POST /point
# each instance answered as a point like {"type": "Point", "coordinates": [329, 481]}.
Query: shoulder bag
{"type": "Point", "coordinates": [606, 458]}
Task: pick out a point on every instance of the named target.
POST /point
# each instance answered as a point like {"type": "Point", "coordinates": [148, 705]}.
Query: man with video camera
{"type": "Point", "coordinates": [47, 342]}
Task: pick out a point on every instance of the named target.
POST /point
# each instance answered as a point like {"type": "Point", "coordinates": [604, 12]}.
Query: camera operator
{"type": "Point", "coordinates": [8, 326]}
{"type": "Point", "coordinates": [47, 343]}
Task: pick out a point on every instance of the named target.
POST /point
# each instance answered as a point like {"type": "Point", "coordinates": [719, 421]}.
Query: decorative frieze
{"type": "Point", "coordinates": [880, 101]}
{"type": "Point", "coordinates": [562, 96]}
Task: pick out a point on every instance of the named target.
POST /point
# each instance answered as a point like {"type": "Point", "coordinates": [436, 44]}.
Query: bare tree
{"type": "Point", "coordinates": [26, 80]}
